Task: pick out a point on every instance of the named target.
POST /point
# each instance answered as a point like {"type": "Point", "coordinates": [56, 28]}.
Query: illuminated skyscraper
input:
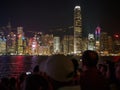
{"type": "Point", "coordinates": [97, 38]}
{"type": "Point", "coordinates": [110, 44]}
{"type": "Point", "coordinates": [68, 44]}
{"type": "Point", "coordinates": [97, 33]}
{"type": "Point", "coordinates": [11, 43]}
{"type": "Point", "coordinates": [104, 41]}
{"type": "Point", "coordinates": [2, 43]}
{"type": "Point", "coordinates": [91, 42]}
{"type": "Point", "coordinates": [116, 43]}
{"type": "Point", "coordinates": [56, 44]}
{"type": "Point", "coordinates": [20, 40]}
{"type": "Point", "coordinates": [77, 30]}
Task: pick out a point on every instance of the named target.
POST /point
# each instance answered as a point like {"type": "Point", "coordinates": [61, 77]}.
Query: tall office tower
{"type": "Point", "coordinates": [91, 42]}
{"type": "Point", "coordinates": [104, 42]}
{"type": "Point", "coordinates": [39, 38]}
{"type": "Point", "coordinates": [77, 30]}
{"type": "Point", "coordinates": [34, 46]}
{"type": "Point", "coordinates": [20, 39]}
{"type": "Point", "coordinates": [97, 33]}
{"type": "Point", "coordinates": [97, 38]}
{"type": "Point", "coordinates": [116, 43]}
{"type": "Point", "coordinates": [2, 43]}
{"type": "Point", "coordinates": [67, 42]}
{"type": "Point", "coordinates": [56, 44]}
{"type": "Point", "coordinates": [85, 43]}
{"type": "Point", "coordinates": [11, 43]}
{"type": "Point", "coordinates": [110, 44]}
{"type": "Point", "coordinates": [46, 46]}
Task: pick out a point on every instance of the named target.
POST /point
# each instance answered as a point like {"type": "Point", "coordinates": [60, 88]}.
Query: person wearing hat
{"type": "Point", "coordinates": [91, 78]}
{"type": "Point", "coordinates": [60, 71]}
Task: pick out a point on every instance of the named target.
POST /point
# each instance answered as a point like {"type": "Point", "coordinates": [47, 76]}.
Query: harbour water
{"type": "Point", "coordinates": [13, 66]}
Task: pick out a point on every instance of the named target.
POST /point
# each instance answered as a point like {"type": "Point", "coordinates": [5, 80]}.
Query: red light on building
{"type": "Point", "coordinates": [117, 36]}
{"type": "Point", "coordinates": [98, 30]}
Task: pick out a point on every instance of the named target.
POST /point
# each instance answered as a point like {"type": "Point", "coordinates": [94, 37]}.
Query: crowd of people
{"type": "Point", "coordinates": [63, 73]}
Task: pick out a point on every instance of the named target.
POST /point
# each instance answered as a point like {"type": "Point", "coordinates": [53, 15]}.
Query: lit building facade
{"type": "Point", "coordinates": [117, 43]}
{"type": "Point", "coordinates": [77, 30]}
{"type": "Point", "coordinates": [85, 44]}
{"type": "Point", "coordinates": [38, 36]}
{"type": "Point", "coordinates": [46, 47]}
{"type": "Point", "coordinates": [110, 44]}
{"type": "Point", "coordinates": [20, 41]}
{"type": "Point", "coordinates": [97, 39]}
{"type": "Point", "coordinates": [48, 41]}
{"type": "Point", "coordinates": [2, 43]}
{"type": "Point", "coordinates": [56, 44]}
{"type": "Point", "coordinates": [91, 42]}
{"type": "Point", "coordinates": [34, 46]}
{"type": "Point", "coordinates": [104, 43]}
{"type": "Point", "coordinates": [11, 43]}
{"type": "Point", "coordinates": [68, 44]}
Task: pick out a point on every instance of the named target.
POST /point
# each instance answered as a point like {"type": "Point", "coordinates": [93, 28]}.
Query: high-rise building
{"type": "Point", "coordinates": [91, 42]}
{"type": "Point", "coordinates": [97, 38]}
{"type": "Point", "coordinates": [104, 42]}
{"type": "Point", "coordinates": [2, 43]}
{"type": "Point", "coordinates": [110, 44]}
{"type": "Point", "coordinates": [68, 44]}
{"type": "Point", "coordinates": [77, 30]}
{"type": "Point", "coordinates": [20, 45]}
{"type": "Point", "coordinates": [56, 44]}
{"type": "Point", "coordinates": [11, 43]}
{"type": "Point", "coordinates": [116, 43]}
{"type": "Point", "coordinates": [97, 33]}
{"type": "Point", "coordinates": [46, 46]}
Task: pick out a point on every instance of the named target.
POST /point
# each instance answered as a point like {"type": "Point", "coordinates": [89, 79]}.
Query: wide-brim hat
{"type": "Point", "coordinates": [59, 68]}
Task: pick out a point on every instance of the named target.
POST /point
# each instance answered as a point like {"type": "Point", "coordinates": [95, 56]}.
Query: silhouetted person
{"type": "Point", "coordinates": [12, 85]}
{"type": "Point", "coordinates": [116, 84]}
{"type": "Point", "coordinates": [76, 70]}
{"type": "Point", "coordinates": [21, 81]}
{"type": "Point", "coordinates": [4, 85]}
{"type": "Point", "coordinates": [35, 81]}
{"type": "Point", "coordinates": [36, 70]}
{"type": "Point", "coordinates": [103, 69]}
{"type": "Point", "coordinates": [76, 65]}
{"type": "Point", "coordinates": [91, 79]}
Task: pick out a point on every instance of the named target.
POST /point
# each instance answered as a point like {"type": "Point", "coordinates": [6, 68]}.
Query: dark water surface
{"type": "Point", "coordinates": [13, 66]}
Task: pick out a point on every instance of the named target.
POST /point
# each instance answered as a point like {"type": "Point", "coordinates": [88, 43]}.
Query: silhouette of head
{"type": "Point", "coordinates": [90, 58]}
{"type": "Point", "coordinates": [36, 68]}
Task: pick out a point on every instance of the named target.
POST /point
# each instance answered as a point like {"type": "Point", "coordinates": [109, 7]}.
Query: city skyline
{"type": "Point", "coordinates": [17, 43]}
{"type": "Point", "coordinates": [43, 15]}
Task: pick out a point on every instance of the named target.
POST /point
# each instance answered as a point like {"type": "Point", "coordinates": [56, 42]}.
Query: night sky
{"type": "Point", "coordinates": [42, 15]}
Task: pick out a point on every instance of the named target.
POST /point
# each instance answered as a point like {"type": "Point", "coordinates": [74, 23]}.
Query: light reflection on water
{"type": "Point", "coordinates": [13, 66]}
